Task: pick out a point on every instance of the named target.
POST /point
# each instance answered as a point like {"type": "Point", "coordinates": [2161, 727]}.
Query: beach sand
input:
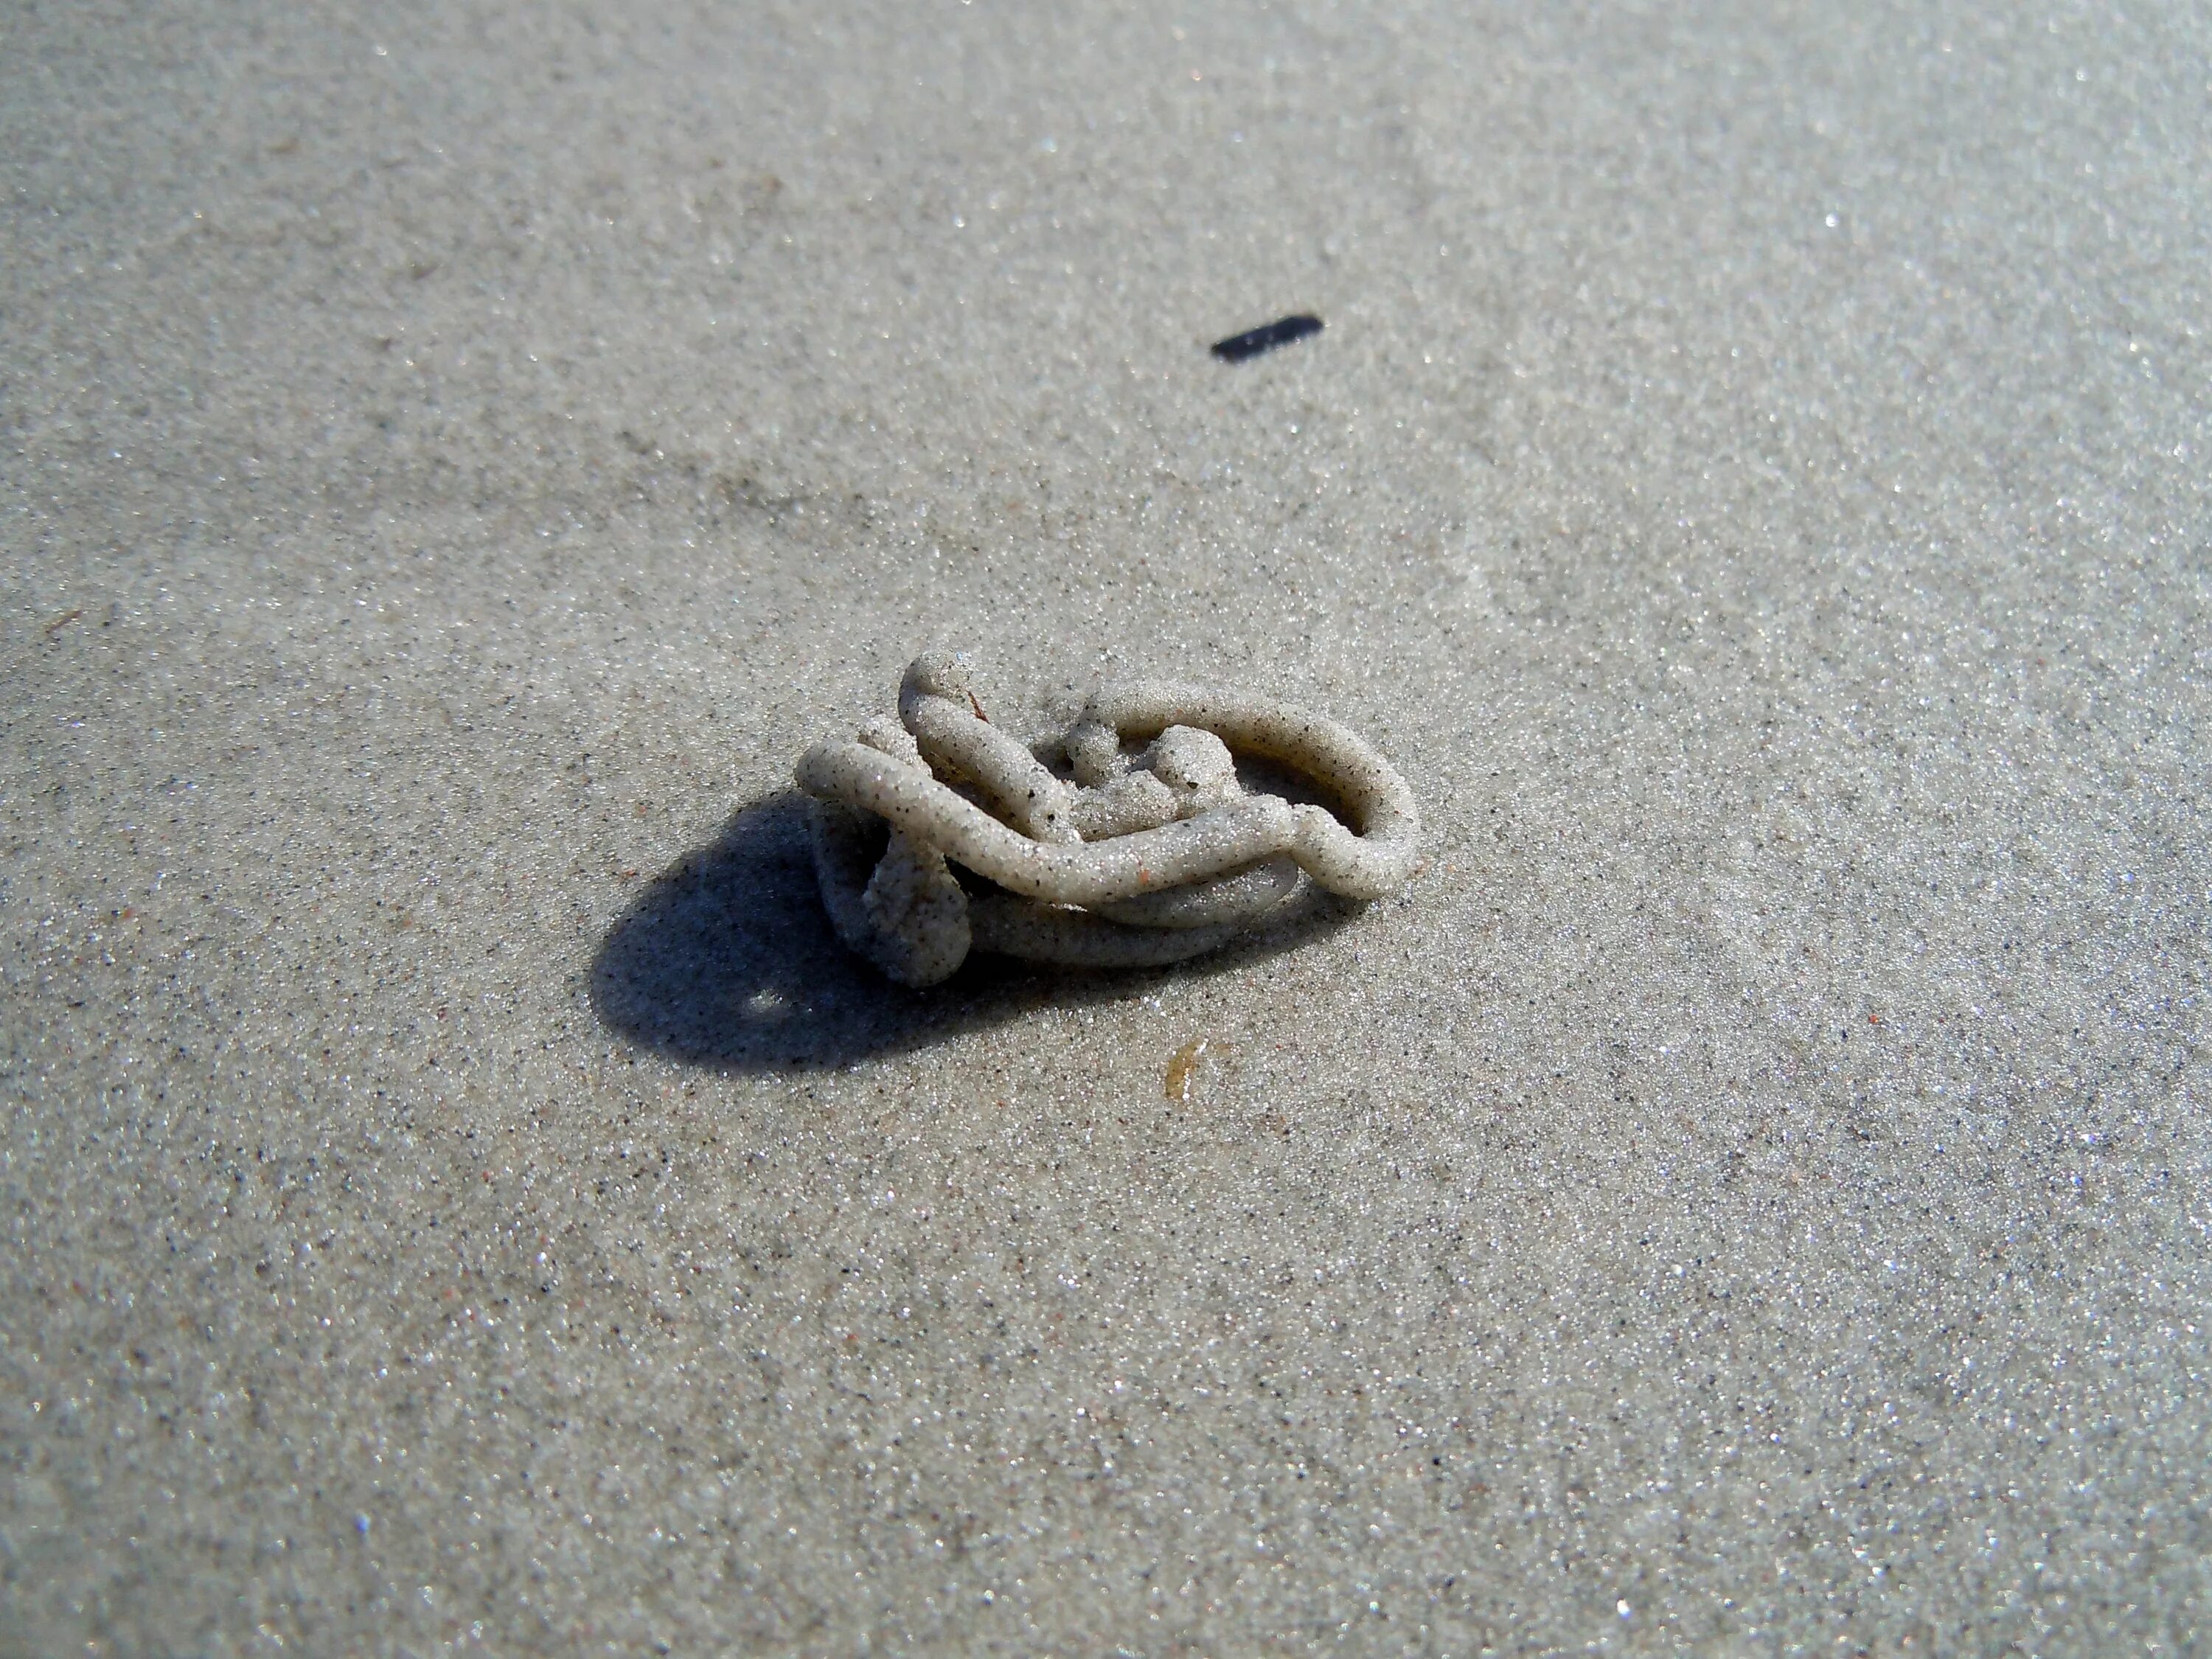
{"type": "Point", "coordinates": [1751, 1193]}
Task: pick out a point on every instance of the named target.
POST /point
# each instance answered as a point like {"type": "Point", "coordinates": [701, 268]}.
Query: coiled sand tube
{"type": "Point", "coordinates": [1375, 857]}
{"type": "Point", "coordinates": [1133, 864]}
{"type": "Point", "coordinates": [937, 702]}
{"type": "Point", "coordinates": [1082, 872]}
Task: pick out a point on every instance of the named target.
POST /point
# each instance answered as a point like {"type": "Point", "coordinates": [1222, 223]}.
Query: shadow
{"type": "Point", "coordinates": [726, 959]}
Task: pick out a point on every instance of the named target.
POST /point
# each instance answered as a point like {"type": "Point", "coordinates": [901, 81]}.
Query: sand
{"type": "Point", "coordinates": [1748, 1195]}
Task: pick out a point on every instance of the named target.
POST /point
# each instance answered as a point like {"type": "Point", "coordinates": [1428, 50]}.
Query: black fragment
{"type": "Point", "coordinates": [1250, 343]}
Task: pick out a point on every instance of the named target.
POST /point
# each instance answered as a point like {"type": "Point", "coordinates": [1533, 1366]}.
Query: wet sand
{"type": "Point", "coordinates": [1749, 1194]}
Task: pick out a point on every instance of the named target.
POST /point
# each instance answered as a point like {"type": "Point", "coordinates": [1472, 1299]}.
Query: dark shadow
{"type": "Point", "coordinates": [727, 960]}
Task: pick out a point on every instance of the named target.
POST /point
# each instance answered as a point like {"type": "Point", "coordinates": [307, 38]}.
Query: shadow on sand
{"type": "Point", "coordinates": [727, 960]}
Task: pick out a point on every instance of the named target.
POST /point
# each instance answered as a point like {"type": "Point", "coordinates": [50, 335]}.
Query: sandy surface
{"type": "Point", "coordinates": [1750, 1195]}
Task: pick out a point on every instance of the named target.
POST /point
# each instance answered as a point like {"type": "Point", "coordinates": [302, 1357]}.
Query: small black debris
{"type": "Point", "coordinates": [1250, 343]}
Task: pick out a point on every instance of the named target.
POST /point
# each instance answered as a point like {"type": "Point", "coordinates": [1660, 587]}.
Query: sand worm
{"type": "Point", "coordinates": [1134, 860]}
